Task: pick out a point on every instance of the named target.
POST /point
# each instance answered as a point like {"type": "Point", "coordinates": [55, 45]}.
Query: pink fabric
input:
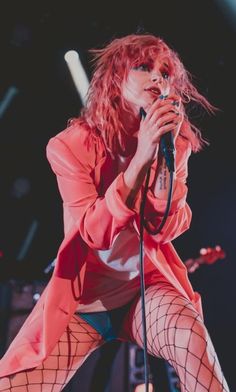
{"type": "Point", "coordinates": [112, 285]}
{"type": "Point", "coordinates": [94, 213]}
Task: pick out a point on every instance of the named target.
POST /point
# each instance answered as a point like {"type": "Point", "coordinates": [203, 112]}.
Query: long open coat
{"type": "Point", "coordinates": [94, 213]}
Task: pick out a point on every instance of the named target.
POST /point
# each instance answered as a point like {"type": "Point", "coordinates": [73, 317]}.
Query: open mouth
{"type": "Point", "coordinates": [154, 90]}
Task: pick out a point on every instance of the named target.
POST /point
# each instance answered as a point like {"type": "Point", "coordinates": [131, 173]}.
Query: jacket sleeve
{"type": "Point", "coordinates": [180, 214]}
{"type": "Point", "coordinates": [99, 218]}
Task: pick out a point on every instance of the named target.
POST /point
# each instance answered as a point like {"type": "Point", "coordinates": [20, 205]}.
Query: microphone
{"type": "Point", "coordinates": [166, 146]}
{"type": "Point", "coordinates": [168, 150]}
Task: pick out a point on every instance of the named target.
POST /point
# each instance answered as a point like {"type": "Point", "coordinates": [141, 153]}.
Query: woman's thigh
{"type": "Point", "coordinates": [176, 332]}
{"type": "Point", "coordinates": [168, 316]}
{"type": "Point", "coordinates": [77, 342]}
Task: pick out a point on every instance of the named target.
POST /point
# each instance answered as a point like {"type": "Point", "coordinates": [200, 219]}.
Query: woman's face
{"type": "Point", "coordinates": [145, 82]}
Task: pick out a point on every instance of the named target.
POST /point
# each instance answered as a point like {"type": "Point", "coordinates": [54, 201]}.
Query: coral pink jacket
{"type": "Point", "coordinates": [94, 213]}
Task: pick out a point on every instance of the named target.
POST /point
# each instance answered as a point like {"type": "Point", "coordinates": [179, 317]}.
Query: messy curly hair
{"type": "Point", "coordinates": [112, 63]}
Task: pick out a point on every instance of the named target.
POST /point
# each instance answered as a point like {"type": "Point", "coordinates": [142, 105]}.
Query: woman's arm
{"type": "Point", "coordinates": [99, 218]}
{"type": "Point", "coordinates": [180, 215]}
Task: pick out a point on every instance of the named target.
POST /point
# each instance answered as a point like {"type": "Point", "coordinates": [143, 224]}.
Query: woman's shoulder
{"type": "Point", "coordinates": [77, 133]}
{"type": "Point", "coordinates": [78, 140]}
{"type": "Point", "coordinates": [183, 149]}
{"type": "Point", "coordinates": [183, 141]}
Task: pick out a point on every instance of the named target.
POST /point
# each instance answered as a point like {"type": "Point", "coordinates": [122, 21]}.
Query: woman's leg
{"type": "Point", "coordinates": [78, 341]}
{"type": "Point", "coordinates": [176, 332]}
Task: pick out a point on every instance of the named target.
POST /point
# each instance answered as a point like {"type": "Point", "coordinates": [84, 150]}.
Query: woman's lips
{"type": "Point", "coordinates": [154, 90]}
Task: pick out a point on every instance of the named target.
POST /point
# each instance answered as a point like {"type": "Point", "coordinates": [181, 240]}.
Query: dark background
{"type": "Point", "coordinates": [34, 37]}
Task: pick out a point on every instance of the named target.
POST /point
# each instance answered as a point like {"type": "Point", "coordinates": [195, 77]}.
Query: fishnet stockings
{"type": "Point", "coordinates": [176, 332]}
{"type": "Point", "coordinates": [78, 341]}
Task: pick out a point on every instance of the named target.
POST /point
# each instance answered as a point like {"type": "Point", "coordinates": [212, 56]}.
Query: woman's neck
{"type": "Point", "coordinates": [130, 122]}
{"type": "Point", "coordinates": [131, 126]}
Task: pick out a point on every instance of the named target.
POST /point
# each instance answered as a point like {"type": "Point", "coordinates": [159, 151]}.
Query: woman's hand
{"type": "Point", "coordinates": [163, 116]}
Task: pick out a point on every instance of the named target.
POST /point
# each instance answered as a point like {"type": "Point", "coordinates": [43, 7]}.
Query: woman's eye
{"type": "Point", "coordinates": [165, 75]}
{"type": "Point", "coordinates": [142, 67]}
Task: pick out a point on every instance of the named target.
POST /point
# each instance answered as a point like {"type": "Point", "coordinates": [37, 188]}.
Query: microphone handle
{"type": "Point", "coordinates": [168, 150]}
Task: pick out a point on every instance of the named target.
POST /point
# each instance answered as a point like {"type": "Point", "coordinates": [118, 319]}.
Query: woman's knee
{"type": "Point", "coordinates": [188, 332]}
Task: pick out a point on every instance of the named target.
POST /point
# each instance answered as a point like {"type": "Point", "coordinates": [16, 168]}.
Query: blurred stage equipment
{"type": "Point", "coordinates": [23, 298]}
{"type": "Point", "coordinates": [50, 267]}
{"type": "Point", "coordinates": [136, 370]}
{"type": "Point", "coordinates": [20, 187]}
{"type": "Point", "coordinates": [78, 74]}
{"type": "Point", "coordinates": [206, 256]}
{"type": "Point", "coordinates": [17, 300]}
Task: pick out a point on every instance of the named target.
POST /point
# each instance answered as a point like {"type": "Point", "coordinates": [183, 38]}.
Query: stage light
{"type": "Point", "coordinates": [78, 73]}
{"type": "Point", "coordinates": [229, 9]}
{"type": "Point", "coordinates": [71, 55]}
{"type": "Point", "coordinates": [28, 240]}
{"type": "Point", "coordinates": [231, 4]}
{"type": "Point", "coordinates": [7, 99]}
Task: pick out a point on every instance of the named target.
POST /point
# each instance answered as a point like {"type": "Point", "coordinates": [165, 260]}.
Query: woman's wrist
{"type": "Point", "coordinates": [133, 178]}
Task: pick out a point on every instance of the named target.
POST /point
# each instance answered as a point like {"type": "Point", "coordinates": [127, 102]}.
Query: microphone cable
{"type": "Point", "coordinates": [145, 225]}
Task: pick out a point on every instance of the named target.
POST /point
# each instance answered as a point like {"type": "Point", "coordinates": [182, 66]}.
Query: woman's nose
{"type": "Point", "coordinates": [155, 77]}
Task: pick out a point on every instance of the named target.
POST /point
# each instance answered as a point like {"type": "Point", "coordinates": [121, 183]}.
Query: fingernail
{"type": "Point", "coordinates": [163, 96]}
{"type": "Point", "coordinates": [175, 103]}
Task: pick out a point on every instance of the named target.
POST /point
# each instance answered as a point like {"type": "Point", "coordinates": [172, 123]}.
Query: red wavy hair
{"type": "Point", "coordinates": [112, 63]}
